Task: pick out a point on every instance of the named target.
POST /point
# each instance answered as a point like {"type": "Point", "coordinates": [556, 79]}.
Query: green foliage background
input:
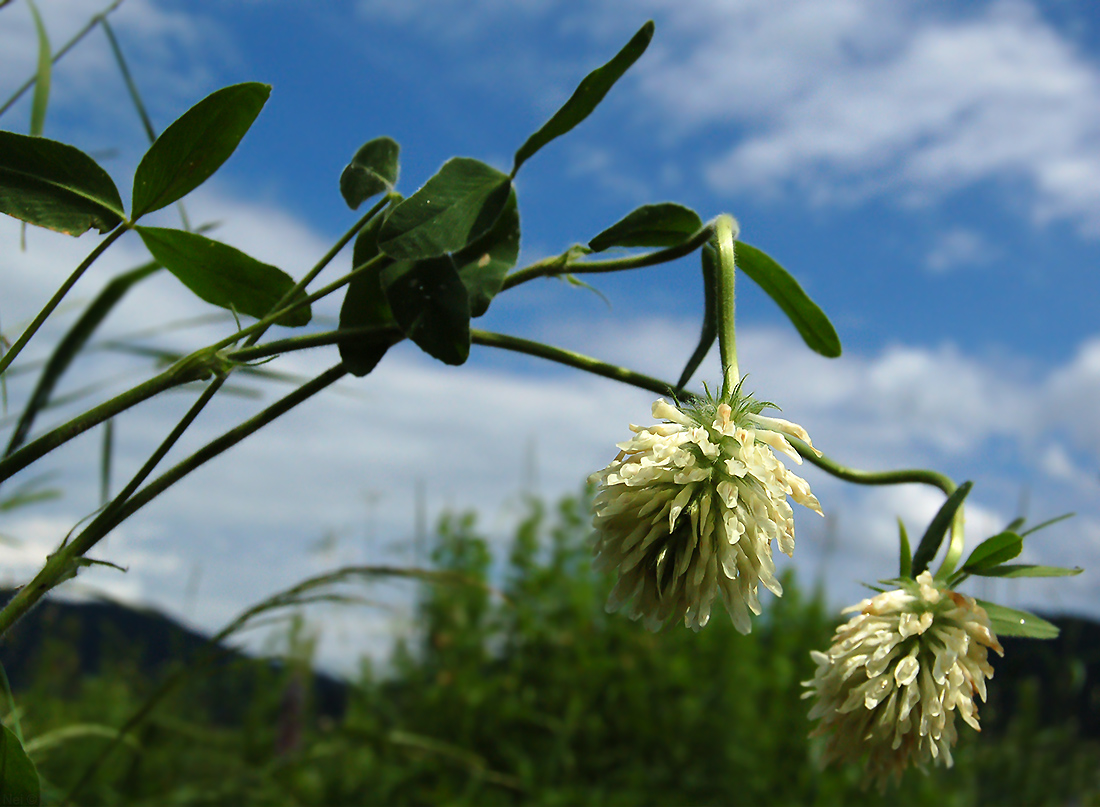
{"type": "Point", "coordinates": [526, 692]}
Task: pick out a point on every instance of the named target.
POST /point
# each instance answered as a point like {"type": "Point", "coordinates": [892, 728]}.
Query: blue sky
{"type": "Point", "coordinates": [930, 172]}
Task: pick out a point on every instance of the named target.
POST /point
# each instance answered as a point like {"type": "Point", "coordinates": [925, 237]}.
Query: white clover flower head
{"type": "Point", "coordinates": [689, 508]}
{"type": "Point", "coordinates": [889, 687]}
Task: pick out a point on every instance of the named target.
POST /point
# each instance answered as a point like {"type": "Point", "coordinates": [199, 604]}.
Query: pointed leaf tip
{"type": "Point", "coordinates": [808, 319]}
{"type": "Point", "coordinates": [587, 96]}
{"type": "Point", "coordinates": [661, 225]}
{"type": "Point", "coordinates": [189, 151]}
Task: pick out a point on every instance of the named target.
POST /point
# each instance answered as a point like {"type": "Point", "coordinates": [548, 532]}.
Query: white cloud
{"type": "Point", "coordinates": [170, 53]}
{"type": "Point", "coordinates": [853, 99]}
{"type": "Point", "coordinates": [958, 247]}
{"type": "Point", "coordinates": [850, 99]}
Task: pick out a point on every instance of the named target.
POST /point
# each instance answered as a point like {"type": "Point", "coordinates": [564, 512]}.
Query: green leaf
{"type": "Point", "coordinates": [365, 304]}
{"type": "Point", "coordinates": [587, 96]}
{"type": "Point", "coordinates": [189, 151]}
{"type": "Point", "coordinates": [222, 275]}
{"type": "Point", "coordinates": [483, 264]}
{"type": "Point", "coordinates": [710, 315]}
{"type": "Point", "coordinates": [905, 553]}
{"type": "Point", "coordinates": [993, 551]}
{"type": "Point", "coordinates": [662, 225]}
{"type": "Point", "coordinates": [41, 98]}
{"type": "Point", "coordinates": [18, 778]}
{"type": "Point", "coordinates": [431, 306]}
{"type": "Point", "coordinates": [1026, 570]}
{"type": "Point", "coordinates": [937, 529]}
{"type": "Point", "coordinates": [810, 321]}
{"type": "Point", "coordinates": [54, 185]}
{"type": "Point", "coordinates": [372, 170]}
{"type": "Point", "coordinates": [454, 208]}
{"type": "Point", "coordinates": [1010, 622]}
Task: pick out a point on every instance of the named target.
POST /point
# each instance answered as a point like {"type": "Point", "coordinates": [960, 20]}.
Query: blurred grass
{"type": "Point", "coordinates": [537, 697]}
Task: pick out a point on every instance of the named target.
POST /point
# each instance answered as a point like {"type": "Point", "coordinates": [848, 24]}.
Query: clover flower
{"type": "Point", "coordinates": [896, 674]}
{"type": "Point", "coordinates": [689, 508]}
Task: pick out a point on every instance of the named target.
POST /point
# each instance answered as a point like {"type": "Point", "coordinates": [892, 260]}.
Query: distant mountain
{"type": "Point", "coordinates": [77, 638]}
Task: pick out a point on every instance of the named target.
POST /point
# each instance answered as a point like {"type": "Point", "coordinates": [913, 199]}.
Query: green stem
{"type": "Point", "coordinates": [58, 296]}
{"type": "Point", "coordinates": [725, 234]}
{"type": "Point", "coordinates": [312, 340]}
{"type": "Point", "coordinates": [899, 477]}
{"type": "Point", "coordinates": [126, 502]}
{"type": "Point", "coordinates": [208, 394]}
{"type": "Point", "coordinates": [184, 371]}
{"type": "Point", "coordinates": [62, 563]}
{"type": "Point", "coordinates": [577, 360]}
{"type": "Point", "coordinates": [139, 104]}
{"type": "Point", "coordinates": [92, 23]}
{"type": "Point", "coordinates": [565, 264]}
{"type": "Point", "coordinates": [955, 548]}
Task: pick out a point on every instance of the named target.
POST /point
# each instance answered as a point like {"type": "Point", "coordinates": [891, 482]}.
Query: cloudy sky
{"type": "Point", "coordinates": [931, 175]}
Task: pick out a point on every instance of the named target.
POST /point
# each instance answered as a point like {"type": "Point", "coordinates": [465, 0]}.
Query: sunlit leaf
{"type": "Point", "coordinates": [906, 555]}
{"type": "Point", "coordinates": [1026, 570]}
{"type": "Point", "coordinates": [222, 275]}
{"type": "Point", "coordinates": [660, 225]}
{"type": "Point", "coordinates": [809, 320]}
{"type": "Point", "coordinates": [372, 170]}
{"type": "Point", "coordinates": [454, 208]}
{"type": "Point", "coordinates": [587, 96]}
{"type": "Point", "coordinates": [1010, 622]}
{"type": "Point", "coordinates": [189, 151]}
{"type": "Point", "coordinates": [54, 185]}
{"type": "Point", "coordinates": [994, 551]}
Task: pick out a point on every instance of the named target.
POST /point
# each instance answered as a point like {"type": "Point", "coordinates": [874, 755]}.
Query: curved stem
{"type": "Point", "coordinates": [565, 264]}
{"type": "Point", "coordinates": [725, 233]}
{"type": "Point", "coordinates": [58, 296]}
{"type": "Point", "coordinates": [578, 360]}
{"type": "Point", "coordinates": [64, 562]}
{"type": "Point", "coordinates": [900, 477]}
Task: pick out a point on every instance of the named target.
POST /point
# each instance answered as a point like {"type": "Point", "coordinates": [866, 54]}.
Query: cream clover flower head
{"type": "Point", "coordinates": [897, 672]}
{"type": "Point", "coordinates": [689, 508]}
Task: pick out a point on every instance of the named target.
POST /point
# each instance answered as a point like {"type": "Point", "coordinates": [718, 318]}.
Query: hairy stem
{"type": "Point", "coordinates": [182, 372]}
{"type": "Point", "coordinates": [725, 234]}
{"type": "Point", "coordinates": [566, 264]}
{"type": "Point", "coordinates": [578, 360]}
{"type": "Point", "coordinates": [899, 477]}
